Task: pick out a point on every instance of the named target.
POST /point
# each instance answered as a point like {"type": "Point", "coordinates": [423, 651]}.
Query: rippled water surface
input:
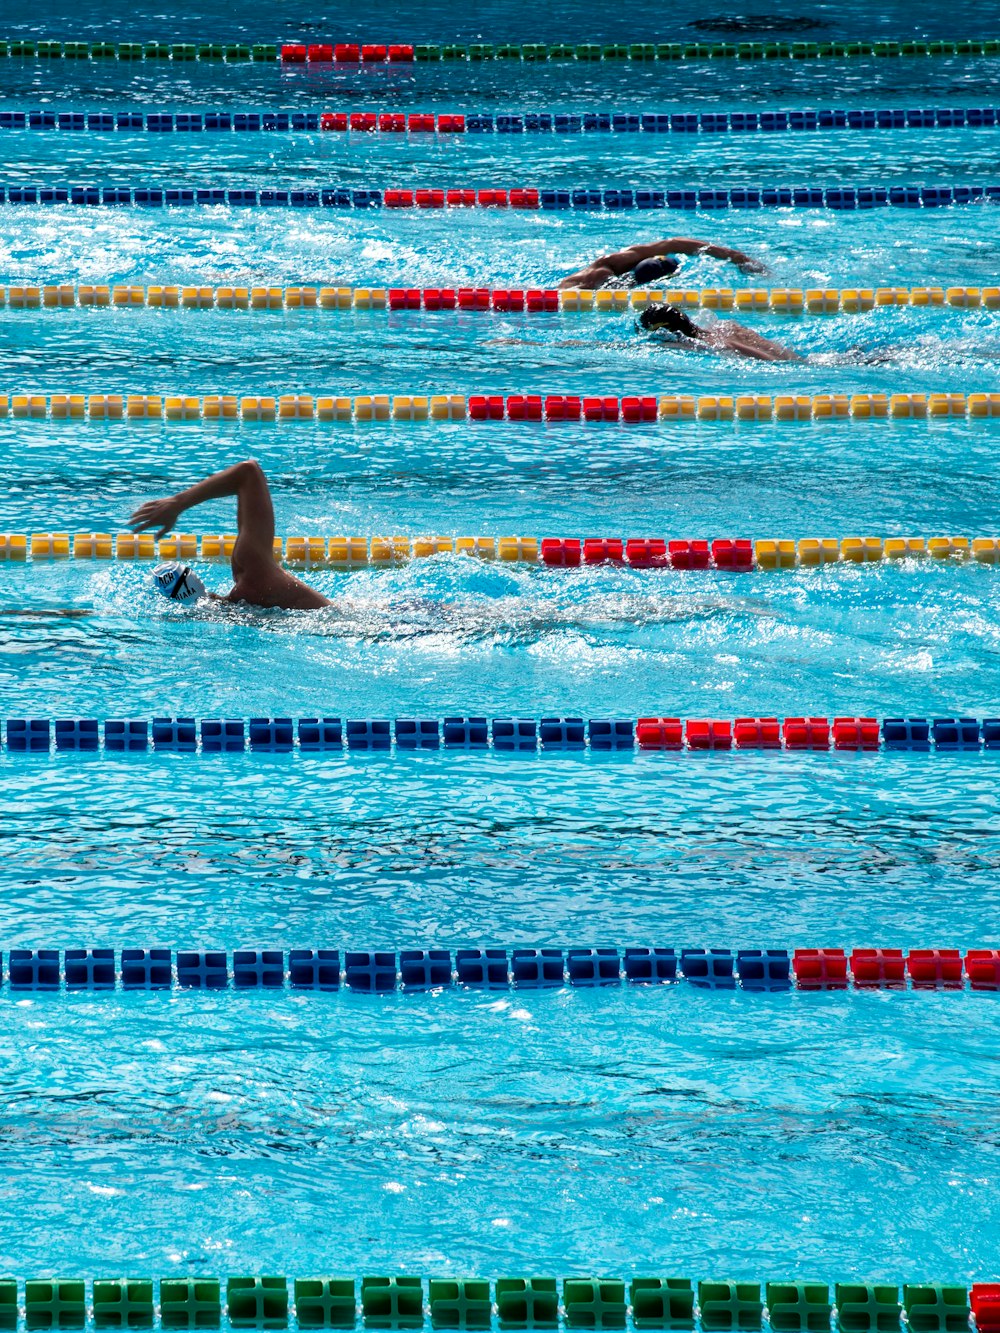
{"type": "Point", "coordinates": [660, 1130]}
{"type": "Point", "coordinates": [621, 1131]}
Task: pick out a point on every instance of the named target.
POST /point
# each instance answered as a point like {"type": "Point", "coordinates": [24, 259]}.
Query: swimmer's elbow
{"type": "Point", "coordinates": [250, 473]}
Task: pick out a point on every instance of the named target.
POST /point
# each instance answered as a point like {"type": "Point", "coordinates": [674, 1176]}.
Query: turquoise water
{"type": "Point", "coordinates": [790, 1136]}
{"type": "Point", "coordinates": [666, 1130]}
{"type": "Point", "coordinates": [450, 636]}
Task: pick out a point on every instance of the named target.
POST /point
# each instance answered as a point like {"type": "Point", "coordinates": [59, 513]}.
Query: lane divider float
{"type": "Point", "coordinates": [318, 552]}
{"type": "Point", "coordinates": [411, 1301]}
{"type": "Point", "coordinates": [840, 198]}
{"type": "Point", "coordinates": [493, 968]}
{"type": "Point", "coordinates": [380, 53]}
{"type": "Point", "coordinates": [527, 122]}
{"type": "Point", "coordinates": [282, 735]}
{"type": "Point", "coordinates": [631, 409]}
{"type": "Point", "coordinates": [531, 300]}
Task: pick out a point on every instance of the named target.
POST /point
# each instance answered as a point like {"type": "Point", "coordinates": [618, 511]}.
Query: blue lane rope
{"type": "Point", "coordinates": [496, 968]}
{"type": "Point", "coordinates": [283, 735]}
{"type": "Point", "coordinates": [841, 198]}
{"type": "Point", "coordinates": [529, 122]}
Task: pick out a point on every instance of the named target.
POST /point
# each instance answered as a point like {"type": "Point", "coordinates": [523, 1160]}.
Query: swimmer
{"type": "Point", "coordinates": [726, 336]}
{"type": "Point", "coordinates": [258, 578]}
{"type": "Point", "coordinates": [642, 264]}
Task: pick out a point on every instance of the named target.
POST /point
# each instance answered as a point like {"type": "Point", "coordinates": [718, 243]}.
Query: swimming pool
{"type": "Point", "coordinates": [844, 1136]}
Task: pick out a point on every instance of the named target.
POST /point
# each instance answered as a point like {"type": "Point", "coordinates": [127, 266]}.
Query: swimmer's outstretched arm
{"type": "Point", "coordinates": [620, 262]}
{"type": "Point", "coordinates": [688, 245]}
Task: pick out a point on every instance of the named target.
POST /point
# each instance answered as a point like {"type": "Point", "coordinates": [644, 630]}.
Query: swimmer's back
{"type": "Point", "coordinates": [728, 336]}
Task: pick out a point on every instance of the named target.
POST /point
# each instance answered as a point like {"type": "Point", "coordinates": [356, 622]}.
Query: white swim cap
{"type": "Point", "coordinates": [177, 582]}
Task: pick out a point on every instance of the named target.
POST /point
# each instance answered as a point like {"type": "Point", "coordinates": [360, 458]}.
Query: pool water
{"type": "Point", "coordinates": [696, 1132]}
{"type": "Point", "coordinates": [625, 1130]}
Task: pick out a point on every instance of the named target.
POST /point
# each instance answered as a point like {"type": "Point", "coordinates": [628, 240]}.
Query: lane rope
{"type": "Point", "coordinates": [186, 735]}
{"type": "Point", "coordinates": [538, 408]}
{"type": "Point", "coordinates": [531, 300]}
{"type": "Point", "coordinates": [512, 1302]}
{"type": "Point", "coordinates": [592, 199]}
{"type": "Point", "coordinates": [353, 53]}
{"type": "Point", "coordinates": [342, 552]}
{"type": "Point", "coordinates": [527, 122]}
{"type": "Point", "coordinates": [498, 968]}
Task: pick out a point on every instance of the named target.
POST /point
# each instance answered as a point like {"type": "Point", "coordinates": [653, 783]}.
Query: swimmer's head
{"type": "Point", "coordinates": [650, 270]}
{"type": "Point", "coordinates": [668, 319]}
{"type": "Point", "coordinates": [177, 583]}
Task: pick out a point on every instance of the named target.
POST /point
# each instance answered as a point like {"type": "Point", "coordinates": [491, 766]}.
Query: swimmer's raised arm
{"type": "Point", "coordinates": [259, 578]}
{"type": "Point", "coordinates": [245, 480]}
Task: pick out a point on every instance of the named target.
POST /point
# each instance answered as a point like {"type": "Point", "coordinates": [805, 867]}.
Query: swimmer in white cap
{"type": "Point", "coordinates": [178, 583]}
{"type": "Point", "coordinates": [642, 264]}
{"type": "Point", "coordinates": [258, 578]}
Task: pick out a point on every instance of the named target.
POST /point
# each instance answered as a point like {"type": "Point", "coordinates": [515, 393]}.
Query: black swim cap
{"type": "Point", "coordinates": [648, 270]}
{"type": "Point", "coordinates": [668, 317]}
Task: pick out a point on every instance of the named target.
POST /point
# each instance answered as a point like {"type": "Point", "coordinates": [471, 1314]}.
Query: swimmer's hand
{"type": "Point", "coordinates": [747, 264]}
{"type": "Point", "coordinates": [161, 514]}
